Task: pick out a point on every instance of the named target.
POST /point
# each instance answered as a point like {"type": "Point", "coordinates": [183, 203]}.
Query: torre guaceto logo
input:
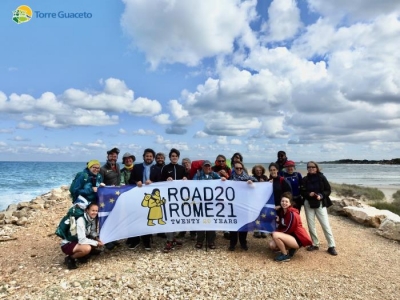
{"type": "Point", "coordinates": [22, 14]}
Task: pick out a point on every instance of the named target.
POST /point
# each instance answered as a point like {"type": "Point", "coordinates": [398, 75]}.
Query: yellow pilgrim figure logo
{"type": "Point", "coordinates": [155, 204]}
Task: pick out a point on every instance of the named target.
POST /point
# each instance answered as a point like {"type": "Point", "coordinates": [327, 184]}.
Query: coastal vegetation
{"type": "Point", "coordinates": [394, 207]}
{"type": "Point", "coordinates": [393, 161]}
{"type": "Point", "coordinates": [356, 191]}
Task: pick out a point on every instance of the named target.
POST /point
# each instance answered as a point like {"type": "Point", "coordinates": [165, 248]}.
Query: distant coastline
{"type": "Point", "coordinates": [393, 161]}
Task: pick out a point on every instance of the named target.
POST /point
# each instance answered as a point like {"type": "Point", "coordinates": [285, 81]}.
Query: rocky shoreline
{"type": "Point", "coordinates": [31, 262]}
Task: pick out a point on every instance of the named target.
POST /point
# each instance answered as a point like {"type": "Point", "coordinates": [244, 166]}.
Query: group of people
{"type": "Point", "coordinates": [290, 191]}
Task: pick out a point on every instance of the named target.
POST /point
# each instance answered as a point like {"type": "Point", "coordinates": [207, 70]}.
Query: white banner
{"type": "Point", "coordinates": [185, 205]}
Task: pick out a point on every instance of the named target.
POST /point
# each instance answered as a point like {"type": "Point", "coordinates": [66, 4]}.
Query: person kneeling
{"type": "Point", "coordinates": [86, 239]}
{"type": "Point", "coordinates": [290, 234]}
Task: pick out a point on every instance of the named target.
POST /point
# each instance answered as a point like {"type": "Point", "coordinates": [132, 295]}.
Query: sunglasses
{"type": "Point", "coordinates": [238, 169]}
{"type": "Point", "coordinates": [96, 168]}
{"type": "Point", "coordinates": [311, 167]}
{"type": "Point", "coordinates": [220, 160]}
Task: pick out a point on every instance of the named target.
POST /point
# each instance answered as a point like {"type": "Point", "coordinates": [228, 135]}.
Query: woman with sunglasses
{"type": "Point", "coordinates": [315, 190]}
{"type": "Point", "coordinates": [279, 184]}
{"type": "Point", "coordinates": [239, 175]}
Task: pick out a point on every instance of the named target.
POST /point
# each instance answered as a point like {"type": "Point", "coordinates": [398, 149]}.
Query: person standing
{"type": "Point", "coordinates": [281, 161]}
{"type": "Point", "coordinates": [206, 174]}
{"type": "Point", "coordinates": [239, 175]}
{"type": "Point", "coordinates": [279, 184]}
{"type": "Point", "coordinates": [315, 190]}
{"type": "Point", "coordinates": [142, 174]}
{"type": "Point", "coordinates": [187, 164]}
{"type": "Point", "coordinates": [112, 177]}
{"type": "Point", "coordinates": [258, 172]}
{"type": "Point", "coordinates": [173, 171]}
{"type": "Point", "coordinates": [221, 168]}
{"type": "Point", "coordinates": [294, 178]}
{"type": "Point", "coordinates": [110, 170]}
{"type": "Point", "coordinates": [87, 182]}
{"type": "Point", "coordinates": [128, 162]}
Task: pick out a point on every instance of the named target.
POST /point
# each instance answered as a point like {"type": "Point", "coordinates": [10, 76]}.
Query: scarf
{"type": "Point", "coordinates": [130, 168]}
{"type": "Point", "coordinates": [242, 177]}
{"type": "Point", "coordinates": [146, 171]}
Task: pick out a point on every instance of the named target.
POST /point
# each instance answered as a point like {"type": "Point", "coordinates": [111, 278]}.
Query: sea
{"type": "Point", "coordinates": [24, 181]}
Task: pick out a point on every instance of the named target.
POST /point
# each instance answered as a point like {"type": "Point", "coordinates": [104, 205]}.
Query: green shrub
{"type": "Point", "coordinates": [393, 207]}
{"type": "Point", "coordinates": [396, 196]}
{"type": "Point", "coordinates": [356, 191]}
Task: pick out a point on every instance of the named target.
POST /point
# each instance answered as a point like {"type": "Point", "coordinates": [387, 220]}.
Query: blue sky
{"type": "Point", "coordinates": [318, 80]}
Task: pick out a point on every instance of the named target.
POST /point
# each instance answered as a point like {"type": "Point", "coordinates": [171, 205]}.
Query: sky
{"type": "Point", "coordinates": [318, 79]}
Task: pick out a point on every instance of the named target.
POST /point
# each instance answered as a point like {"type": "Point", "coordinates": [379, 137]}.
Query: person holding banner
{"type": "Point", "coordinates": [173, 171]}
{"type": "Point", "coordinates": [206, 174]}
{"type": "Point", "coordinates": [290, 233]}
{"type": "Point", "coordinates": [280, 184]}
{"type": "Point", "coordinates": [239, 175]}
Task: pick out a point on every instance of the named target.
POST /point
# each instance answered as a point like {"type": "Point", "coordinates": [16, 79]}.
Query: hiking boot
{"type": "Point", "coordinates": [292, 252]}
{"type": "Point", "coordinates": [244, 247]}
{"type": "Point", "coordinates": [192, 236]}
{"type": "Point", "coordinates": [332, 251]}
{"type": "Point", "coordinates": [134, 245]}
{"type": "Point", "coordinates": [71, 263]}
{"type": "Point", "coordinates": [198, 245]}
{"type": "Point", "coordinates": [282, 258]}
{"type": "Point", "coordinates": [227, 235]}
{"type": "Point", "coordinates": [83, 260]}
{"type": "Point", "coordinates": [147, 245]}
{"type": "Point", "coordinates": [263, 235]}
{"type": "Point", "coordinates": [211, 246]}
{"type": "Point", "coordinates": [95, 251]}
{"type": "Point", "coordinates": [110, 246]}
{"type": "Point", "coordinates": [168, 247]}
{"type": "Point", "coordinates": [312, 248]}
{"type": "Point", "coordinates": [176, 243]}
{"type": "Point", "coordinates": [257, 234]}
{"type": "Point", "coordinates": [231, 248]}
{"type": "Point", "coordinates": [162, 235]}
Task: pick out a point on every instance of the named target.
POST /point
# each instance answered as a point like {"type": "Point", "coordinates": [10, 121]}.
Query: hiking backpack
{"type": "Point", "coordinates": [74, 190]}
{"type": "Point", "coordinates": [67, 227]}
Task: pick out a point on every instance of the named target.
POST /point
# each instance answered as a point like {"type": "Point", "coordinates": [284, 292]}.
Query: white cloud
{"type": "Point", "coordinates": [122, 131]}
{"type": "Point", "coordinates": [283, 20]}
{"type": "Point", "coordinates": [144, 132]}
{"type": "Point", "coordinates": [19, 139]}
{"type": "Point", "coordinates": [162, 119]}
{"type": "Point", "coordinates": [178, 37]}
{"type": "Point", "coordinates": [23, 125]}
{"type": "Point", "coordinates": [200, 134]}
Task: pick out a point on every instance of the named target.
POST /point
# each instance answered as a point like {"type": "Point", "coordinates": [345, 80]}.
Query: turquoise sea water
{"type": "Point", "coordinates": [23, 181]}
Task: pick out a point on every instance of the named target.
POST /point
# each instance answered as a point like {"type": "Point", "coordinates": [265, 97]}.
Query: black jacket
{"type": "Point", "coordinates": [175, 171]}
{"type": "Point", "coordinates": [137, 174]}
{"type": "Point", "coordinates": [318, 184]}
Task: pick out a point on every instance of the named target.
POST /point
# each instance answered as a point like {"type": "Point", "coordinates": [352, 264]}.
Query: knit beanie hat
{"type": "Point", "coordinates": [92, 163]}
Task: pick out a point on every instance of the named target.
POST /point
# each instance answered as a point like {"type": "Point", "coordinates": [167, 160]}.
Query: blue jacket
{"type": "Point", "coordinates": [201, 176]}
{"type": "Point", "coordinates": [84, 183]}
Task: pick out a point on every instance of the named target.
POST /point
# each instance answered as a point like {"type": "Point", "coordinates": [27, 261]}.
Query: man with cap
{"type": "Point", "coordinates": [206, 173]}
{"type": "Point", "coordinates": [110, 170]}
{"type": "Point", "coordinates": [294, 178]}
{"type": "Point", "coordinates": [281, 155]}
{"type": "Point", "coordinates": [127, 160]}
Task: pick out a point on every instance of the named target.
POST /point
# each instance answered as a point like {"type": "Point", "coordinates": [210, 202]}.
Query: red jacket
{"type": "Point", "coordinates": [290, 223]}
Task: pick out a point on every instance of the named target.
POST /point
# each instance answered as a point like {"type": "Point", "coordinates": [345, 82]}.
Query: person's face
{"type": "Point", "coordinates": [174, 158]}
{"type": "Point", "coordinates": [112, 157]}
{"type": "Point", "coordinates": [221, 161]}
{"type": "Point", "coordinates": [273, 172]}
{"type": "Point", "coordinates": [128, 161]}
{"type": "Point", "coordinates": [238, 169]}
{"type": "Point", "coordinates": [186, 164]}
{"type": "Point", "coordinates": [290, 169]}
{"type": "Point", "coordinates": [95, 169]}
{"type": "Point", "coordinates": [148, 158]}
{"type": "Point", "coordinates": [285, 202]}
{"type": "Point", "coordinates": [311, 168]}
{"type": "Point", "coordinates": [207, 169]}
{"type": "Point", "coordinates": [93, 211]}
{"type": "Point", "coordinates": [281, 157]}
{"type": "Point", "coordinates": [160, 159]}
{"type": "Point", "coordinates": [258, 171]}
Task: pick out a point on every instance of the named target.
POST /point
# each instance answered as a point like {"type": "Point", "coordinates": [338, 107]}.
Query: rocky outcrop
{"type": "Point", "coordinates": [386, 222]}
{"type": "Point", "coordinates": [23, 213]}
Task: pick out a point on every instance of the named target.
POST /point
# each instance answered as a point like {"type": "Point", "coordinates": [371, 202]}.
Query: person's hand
{"type": "Point", "coordinates": [99, 243]}
{"type": "Point", "coordinates": [277, 207]}
{"type": "Point", "coordinates": [184, 178]}
{"type": "Point", "coordinates": [148, 181]}
{"type": "Point", "coordinates": [312, 194]}
{"type": "Point", "coordinates": [94, 189]}
{"type": "Point", "coordinates": [318, 197]}
{"type": "Point", "coordinates": [139, 184]}
{"type": "Point", "coordinates": [169, 179]}
{"type": "Point", "coordinates": [249, 182]}
{"type": "Point", "coordinates": [102, 184]}
{"type": "Point", "coordinates": [223, 178]}
{"type": "Point", "coordinates": [262, 180]}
